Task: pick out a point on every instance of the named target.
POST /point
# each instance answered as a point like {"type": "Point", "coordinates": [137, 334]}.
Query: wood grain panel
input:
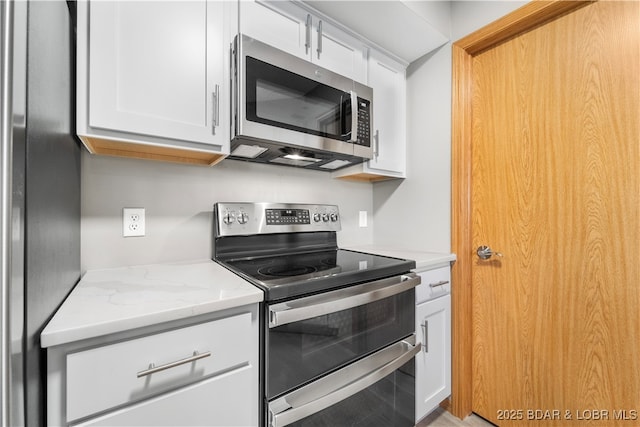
{"type": "Point", "coordinates": [529, 16]}
{"type": "Point", "coordinates": [461, 351]}
{"type": "Point", "coordinates": [556, 187]}
{"type": "Point", "coordinates": [519, 21]}
{"type": "Point", "coordinates": [150, 152]}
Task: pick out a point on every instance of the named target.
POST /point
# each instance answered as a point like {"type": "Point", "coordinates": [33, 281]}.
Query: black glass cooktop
{"type": "Point", "coordinates": [285, 276]}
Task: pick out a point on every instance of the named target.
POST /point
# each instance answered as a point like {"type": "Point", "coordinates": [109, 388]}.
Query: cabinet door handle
{"type": "Point", "coordinates": [153, 369]}
{"type": "Point", "coordinates": [376, 150]}
{"type": "Point", "coordinates": [425, 336]}
{"type": "Point", "coordinates": [307, 40]}
{"type": "Point", "coordinates": [440, 283]}
{"type": "Point", "coordinates": [319, 39]}
{"type": "Point", "coordinates": [215, 119]}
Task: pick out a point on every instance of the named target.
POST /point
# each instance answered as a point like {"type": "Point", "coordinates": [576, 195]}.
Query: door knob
{"type": "Point", "coordinates": [485, 252]}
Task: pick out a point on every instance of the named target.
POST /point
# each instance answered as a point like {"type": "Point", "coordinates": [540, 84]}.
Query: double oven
{"type": "Point", "coordinates": [337, 326]}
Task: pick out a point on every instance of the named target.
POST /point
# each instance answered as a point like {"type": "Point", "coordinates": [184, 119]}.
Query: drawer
{"type": "Point", "coordinates": [107, 376]}
{"type": "Point", "coordinates": [225, 400]}
{"type": "Point", "coordinates": [435, 283]}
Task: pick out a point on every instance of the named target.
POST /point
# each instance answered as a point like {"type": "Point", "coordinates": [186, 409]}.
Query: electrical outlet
{"type": "Point", "coordinates": [363, 219]}
{"type": "Point", "coordinates": [133, 222]}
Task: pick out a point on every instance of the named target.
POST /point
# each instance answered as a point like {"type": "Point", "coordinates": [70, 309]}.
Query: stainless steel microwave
{"type": "Point", "coordinates": [288, 111]}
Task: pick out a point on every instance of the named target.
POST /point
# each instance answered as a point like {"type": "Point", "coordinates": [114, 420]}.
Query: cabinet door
{"type": "Point", "coordinates": [279, 25]}
{"type": "Point", "coordinates": [433, 363]}
{"type": "Point", "coordinates": [156, 68]}
{"type": "Point", "coordinates": [291, 28]}
{"type": "Point", "coordinates": [387, 78]}
{"type": "Point", "coordinates": [337, 51]}
{"type": "Point", "coordinates": [226, 400]}
{"type": "Point", "coordinates": [116, 383]}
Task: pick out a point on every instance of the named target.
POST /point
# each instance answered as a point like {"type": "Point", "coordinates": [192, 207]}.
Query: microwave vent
{"type": "Point", "coordinates": [248, 151]}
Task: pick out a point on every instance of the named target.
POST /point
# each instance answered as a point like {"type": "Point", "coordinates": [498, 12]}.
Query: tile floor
{"type": "Point", "coordinates": [442, 418]}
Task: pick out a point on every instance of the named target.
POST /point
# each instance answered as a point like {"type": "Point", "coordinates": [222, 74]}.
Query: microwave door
{"type": "Point", "coordinates": [284, 99]}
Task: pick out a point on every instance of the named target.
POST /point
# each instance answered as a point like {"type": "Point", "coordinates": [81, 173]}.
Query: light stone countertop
{"type": "Point", "coordinates": [424, 260]}
{"type": "Point", "coordinates": [115, 300]}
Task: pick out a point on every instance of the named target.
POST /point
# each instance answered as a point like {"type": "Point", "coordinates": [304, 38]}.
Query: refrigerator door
{"type": "Point", "coordinates": [40, 194]}
{"type": "Point", "coordinates": [52, 186]}
{"type": "Point", "coordinates": [12, 121]}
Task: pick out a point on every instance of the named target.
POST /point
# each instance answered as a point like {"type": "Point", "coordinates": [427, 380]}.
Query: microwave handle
{"type": "Point", "coordinates": [354, 116]}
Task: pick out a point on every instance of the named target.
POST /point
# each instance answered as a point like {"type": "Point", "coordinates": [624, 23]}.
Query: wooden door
{"type": "Point", "coordinates": [553, 166]}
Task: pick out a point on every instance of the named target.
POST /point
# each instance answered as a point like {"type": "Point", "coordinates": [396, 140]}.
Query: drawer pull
{"type": "Point", "coordinates": [153, 369]}
{"type": "Point", "coordinates": [440, 283]}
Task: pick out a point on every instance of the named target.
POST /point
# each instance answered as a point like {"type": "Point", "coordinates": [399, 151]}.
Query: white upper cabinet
{"type": "Point", "coordinates": [152, 78]}
{"type": "Point", "coordinates": [283, 28]}
{"type": "Point", "coordinates": [337, 51]}
{"type": "Point", "coordinates": [407, 29]}
{"type": "Point", "coordinates": [289, 27]}
{"type": "Point", "coordinates": [387, 78]}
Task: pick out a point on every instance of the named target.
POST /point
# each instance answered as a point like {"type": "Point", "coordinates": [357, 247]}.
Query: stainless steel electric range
{"type": "Point", "coordinates": [337, 326]}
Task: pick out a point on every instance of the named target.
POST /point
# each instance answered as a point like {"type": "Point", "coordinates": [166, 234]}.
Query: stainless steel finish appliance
{"type": "Point", "coordinates": [337, 326]}
{"type": "Point", "coordinates": [291, 112]}
{"type": "Point", "coordinates": [40, 194]}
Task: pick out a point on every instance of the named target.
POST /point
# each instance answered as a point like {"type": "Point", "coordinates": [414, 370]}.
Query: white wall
{"type": "Point", "coordinates": [469, 16]}
{"type": "Point", "coordinates": [179, 200]}
{"type": "Point", "coordinates": [416, 213]}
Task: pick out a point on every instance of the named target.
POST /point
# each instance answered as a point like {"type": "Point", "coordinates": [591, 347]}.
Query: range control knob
{"type": "Point", "coordinates": [316, 217]}
{"type": "Point", "coordinates": [228, 218]}
{"type": "Point", "coordinates": [325, 217]}
{"type": "Point", "coordinates": [243, 218]}
{"type": "Point", "coordinates": [334, 217]}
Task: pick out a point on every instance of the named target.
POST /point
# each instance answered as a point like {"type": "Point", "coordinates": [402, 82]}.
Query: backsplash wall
{"type": "Point", "coordinates": [179, 200]}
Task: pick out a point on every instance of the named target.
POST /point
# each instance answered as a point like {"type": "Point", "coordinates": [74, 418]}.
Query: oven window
{"type": "Point", "coordinates": [278, 97]}
{"type": "Point", "coordinates": [300, 352]}
{"type": "Point", "coordinates": [388, 402]}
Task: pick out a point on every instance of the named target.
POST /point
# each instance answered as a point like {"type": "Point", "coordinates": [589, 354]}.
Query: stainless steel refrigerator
{"type": "Point", "coordinates": [40, 183]}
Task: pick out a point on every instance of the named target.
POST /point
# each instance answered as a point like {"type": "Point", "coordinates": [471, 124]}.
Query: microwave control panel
{"type": "Point", "coordinates": [364, 122]}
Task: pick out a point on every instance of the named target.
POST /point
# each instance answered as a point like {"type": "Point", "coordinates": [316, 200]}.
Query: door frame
{"type": "Point", "coordinates": [464, 50]}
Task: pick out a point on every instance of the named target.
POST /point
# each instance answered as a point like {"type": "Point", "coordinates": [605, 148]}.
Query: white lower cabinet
{"type": "Point", "coordinates": [220, 399]}
{"type": "Point", "coordinates": [433, 328]}
{"type": "Point", "coordinates": [203, 373]}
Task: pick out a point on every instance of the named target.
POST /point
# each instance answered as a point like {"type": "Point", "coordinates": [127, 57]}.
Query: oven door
{"type": "Point", "coordinates": [312, 336]}
{"type": "Point", "coordinates": [378, 390]}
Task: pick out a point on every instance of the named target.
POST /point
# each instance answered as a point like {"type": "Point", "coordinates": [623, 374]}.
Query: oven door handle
{"type": "Point", "coordinates": [341, 384]}
{"type": "Point", "coordinates": [341, 299]}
